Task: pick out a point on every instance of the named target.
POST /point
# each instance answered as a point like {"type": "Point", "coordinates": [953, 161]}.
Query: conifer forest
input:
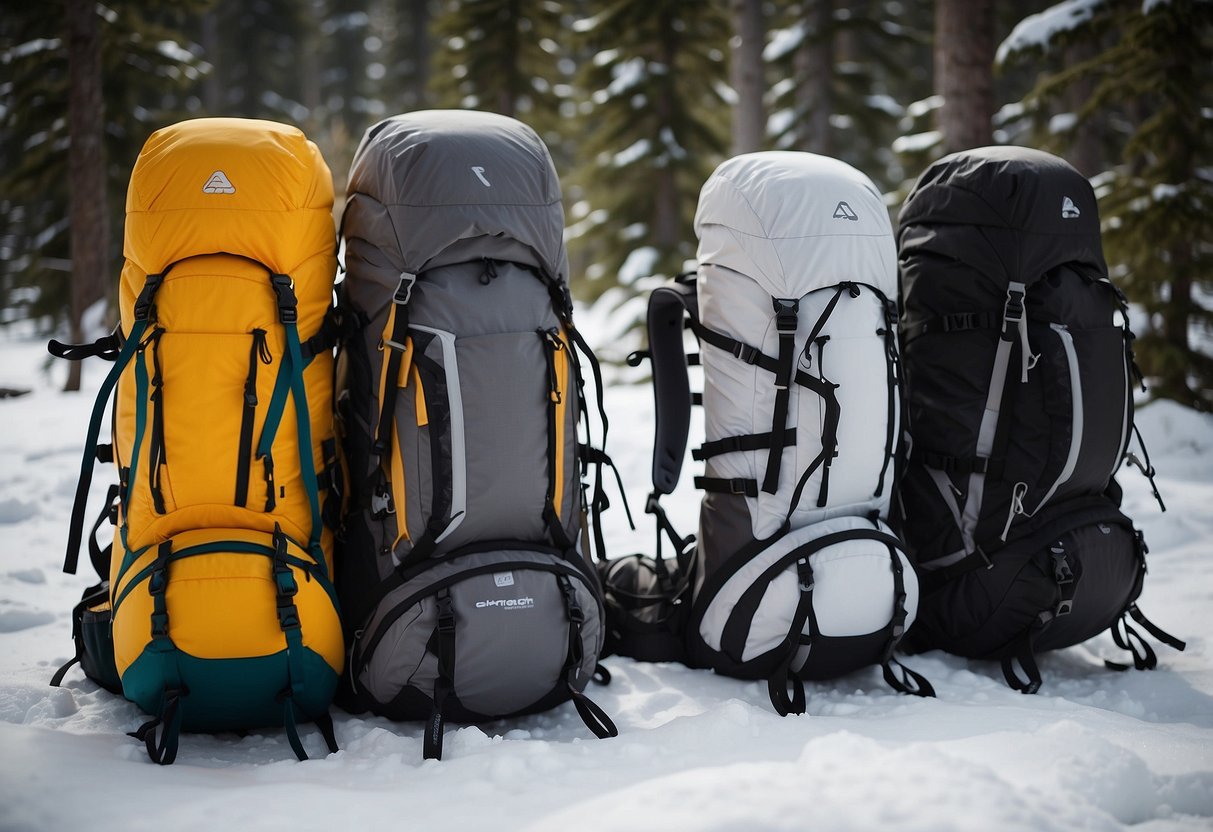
{"type": "Point", "coordinates": [638, 100]}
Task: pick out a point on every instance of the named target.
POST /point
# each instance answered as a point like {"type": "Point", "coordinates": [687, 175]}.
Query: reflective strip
{"type": "Point", "coordinates": [450, 364]}
{"type": "Point", "coordinates": [1067, 342]}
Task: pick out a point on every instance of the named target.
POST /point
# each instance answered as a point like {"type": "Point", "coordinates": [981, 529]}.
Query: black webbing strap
{"type": "Point", "coordinates": [594, 717]}
{"type": "Point", "coordinates": [101, 557]}
{"type": "Point", "coordinates": [156, 455]}
{"type": "Point", "coordinates": [394, 345]}
{"type": "Point", "coordinates": [1127, 638]}
{"type": "Point", "coordinates": [1147, 468]}
{"type": "Point", "coordinates": [163, 749]}
{"type": "Point", "coordinates": [786, 310]}
{"type": "Point", "coordinates": [1023, 653]}
{"type": "Point", "coordinates": [954, 322]}
{"type": "Point", "coordinates": [339, 323]}
{"type": "Point", "coordinates": [444, 684]}
{"type": "Point", "coordinates": [75, 532]}
{"type": "Point", "coordinates": [892, 391]}
{"type": "Point", "coordinates": [747, 442]}
{"type": "Point", "coordinates": [107, 347]}
{"type": "Point", "coordinates": [724, 485]}
{"type": "Point", "coordinates": [784, 677]}
{"type": "Point", "coordinates": [908, 681]}
{"type": "Point", "coordinates": [955, 464]}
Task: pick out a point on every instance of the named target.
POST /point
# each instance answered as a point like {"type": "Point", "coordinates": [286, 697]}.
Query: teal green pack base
{"type": "Point", "coordinates": [232, 694]}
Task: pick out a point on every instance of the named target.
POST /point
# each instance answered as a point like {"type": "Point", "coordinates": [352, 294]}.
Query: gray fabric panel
{"type": "Point", "coordinates": [504, 384]}
{"type": "Point", "coordinates": [724, 528]}
{"type": "Point", "coordinates": [429, 171]}
{"type": "Point", "coordinates": [488, 678]}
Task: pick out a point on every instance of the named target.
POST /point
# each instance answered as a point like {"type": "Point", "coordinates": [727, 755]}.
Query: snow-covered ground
{"type": "Point", "coordinates": [1094, 750]}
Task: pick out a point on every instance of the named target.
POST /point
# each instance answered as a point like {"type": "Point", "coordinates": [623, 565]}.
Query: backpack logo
{"type": "Point", "coordinates": [1069, 210]}
{"type": "Point", "coordinates": [479, 171]}
{"type": "Point", "coordinates": [504, 579]}
{"type": "Point", "coordinates": [526, 603]}
{"type": "Point", "coordinates": [844, 212]}
{"type": "Point", "coordinates": [219, 184]}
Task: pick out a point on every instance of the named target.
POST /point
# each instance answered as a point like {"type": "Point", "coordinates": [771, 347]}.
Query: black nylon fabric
{"type": "Point", "coordinates": [975, 223]}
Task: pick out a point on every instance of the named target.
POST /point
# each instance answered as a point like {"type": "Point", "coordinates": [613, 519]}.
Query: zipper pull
{"type": "Point", "coordinates": [551, 339]}
{"type": "Point", "coordinates": [490, 271]}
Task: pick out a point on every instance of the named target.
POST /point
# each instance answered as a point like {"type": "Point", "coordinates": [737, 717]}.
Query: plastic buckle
{"type": "Point", "coordinates": [737, 486]}
{"type": "Point", "coordinates": [288, 614]}
{"type": "Point", "coordinates": [143, 303]}
{"type": "Point", "coordinates": [288, 587]}
{"type": "Point", "coordinates": [159, 624]}
{"type": "Point", "coordinates": [157, 581]}
{"type": "Point", "coordinates": [746, 353]}
{"type": "Point", "coordinates": [404, 290]}
{"type": "Point", "coordinates": [284, 291]}
{"type": "Point", "coordinates": [786, 310]}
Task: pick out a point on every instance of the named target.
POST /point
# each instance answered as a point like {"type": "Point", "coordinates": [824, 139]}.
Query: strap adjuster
{"type": "Point", "coordinates": [404, 290]}
{"type": "Point", "coordinates": [746, 353]}
{"type": "Point", "coordinates": [786, 310]}
{"type": "Point", "coordinates": [284, 290]}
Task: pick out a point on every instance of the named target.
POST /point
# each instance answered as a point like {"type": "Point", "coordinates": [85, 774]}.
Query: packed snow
{"type": "Point", "coordinates": [1036, 31]}
{"type": "Point", "coordinates": [1094, 750]}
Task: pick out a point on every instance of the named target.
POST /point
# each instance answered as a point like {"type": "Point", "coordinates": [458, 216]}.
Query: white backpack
{"type": "Point", "coordinates": [796, 574]}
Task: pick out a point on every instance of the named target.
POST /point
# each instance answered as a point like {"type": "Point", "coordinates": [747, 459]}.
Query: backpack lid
{"type": "Point", "coordinates": [795, 222]}
{"type": "Point", "coordinates": [1012, 213]}
{"type": "Point", "coordinates": [254, 188]}
{"type": "Point", "coordinates": [433, 178]}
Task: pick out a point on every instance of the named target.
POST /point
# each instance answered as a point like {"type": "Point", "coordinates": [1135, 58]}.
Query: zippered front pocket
{"type": "Point", "coordinates": [510, 606]}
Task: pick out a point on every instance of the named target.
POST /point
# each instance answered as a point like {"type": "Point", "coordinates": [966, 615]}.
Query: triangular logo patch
{"type": "Point", "coordinates": [219, 184]}
{"type": "Point", "coordinates": [1069, 210]}
{"type": "Point", "coordinates": [844, 212]}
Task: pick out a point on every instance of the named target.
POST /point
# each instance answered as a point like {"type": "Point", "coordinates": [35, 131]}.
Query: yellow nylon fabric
{"type": "Point", "coordinates": [218, 191]}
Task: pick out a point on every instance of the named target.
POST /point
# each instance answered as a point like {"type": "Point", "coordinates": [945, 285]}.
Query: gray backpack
{"type": "Point", "coordinates": [463, 557]}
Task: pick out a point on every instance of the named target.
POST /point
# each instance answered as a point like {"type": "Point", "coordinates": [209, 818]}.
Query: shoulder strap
{"type": "Point", "coordinates": [668, 307]}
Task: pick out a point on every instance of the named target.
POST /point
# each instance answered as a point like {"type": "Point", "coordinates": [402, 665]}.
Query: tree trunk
{"type": "Point", "coordinates": [419, 12]}
{"type": "Point", "coordinates": [86, 169]}
{"type": "Point", "coordinates": [964, 71]}
{"type": "Point", "coordinates": [747, 77]}
{"type": "Point", "coordinates": [1084, 152]}
{"type": "Point", "coordinates": [667, 225]}
{"type": "Point", "coordinates": [814, 67]}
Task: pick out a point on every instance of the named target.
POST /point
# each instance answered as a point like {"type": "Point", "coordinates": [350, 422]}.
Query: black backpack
{"type": "Point", "coordinates": [1019, 376]}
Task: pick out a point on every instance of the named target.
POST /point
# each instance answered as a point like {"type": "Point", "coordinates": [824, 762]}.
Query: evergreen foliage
{"type": "Point", "coordinates": [145, 73]}
{"type": "Point", "coordinates": [881, 60]}
{"type": "Point", "coordinates": [1151, 92]}
{"type": "Point", "coordinates": [653, 125]}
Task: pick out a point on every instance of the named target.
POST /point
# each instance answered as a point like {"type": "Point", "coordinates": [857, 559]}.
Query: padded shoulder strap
{"type": "Point", "coordinates": [668, 306]}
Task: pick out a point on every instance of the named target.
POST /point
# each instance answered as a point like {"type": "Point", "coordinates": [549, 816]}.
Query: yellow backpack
{"type": "Point", "coordinates": [219, 597]}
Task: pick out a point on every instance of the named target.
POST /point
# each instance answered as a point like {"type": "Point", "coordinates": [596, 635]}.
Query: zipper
{"type": "Point", "coordinates": [360, 653]}
{"type": "Point", "coordinates": [1123, 447]}
{"type": "Point", "coordinates": [156, 451]}
{"type": "Point", "coordinates": [259, 353]}
{"type": "Point", "coordinates": [555, 353]}
{"type": "Point", "coordinates": [1067, 343]}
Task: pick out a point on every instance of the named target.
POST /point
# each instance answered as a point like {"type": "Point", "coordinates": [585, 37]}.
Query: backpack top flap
{"type": "Point", "coordinates": [242, 186]}
{"type": "Point", "coordinates": [980, 219]}
{"type": "Point", "coordinates": [421, 182]}
{"type": "Point", "coordinates": [795, 222]}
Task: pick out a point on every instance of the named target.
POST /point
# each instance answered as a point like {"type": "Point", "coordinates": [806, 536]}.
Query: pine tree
{"type": "Point", "coordinates": [1151, 91]}
{"type": "Point", "coordinates": [145, 74]}
{"type": "Point", "coordinates": [653, 131]}
{"type": "Point", "coordinates": [851, 71]}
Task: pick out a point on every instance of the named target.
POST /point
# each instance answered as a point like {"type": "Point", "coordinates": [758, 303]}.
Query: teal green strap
{"type": "Point", "coordinates": [273, 415]}
{"type": "Point", "coordinates": [76, 527]}
{"type": "Point", "coordinates": [307, 463]}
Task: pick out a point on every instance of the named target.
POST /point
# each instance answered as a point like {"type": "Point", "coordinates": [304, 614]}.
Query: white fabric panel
{"type": "Point", "coordinates": [772, 215]}
{"type": "Point", "coordinates": [740, 398]}
{"type": "Point", "coordinates": [852, 594]}
{"type": "Point", "coordinates": [767, 228]}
